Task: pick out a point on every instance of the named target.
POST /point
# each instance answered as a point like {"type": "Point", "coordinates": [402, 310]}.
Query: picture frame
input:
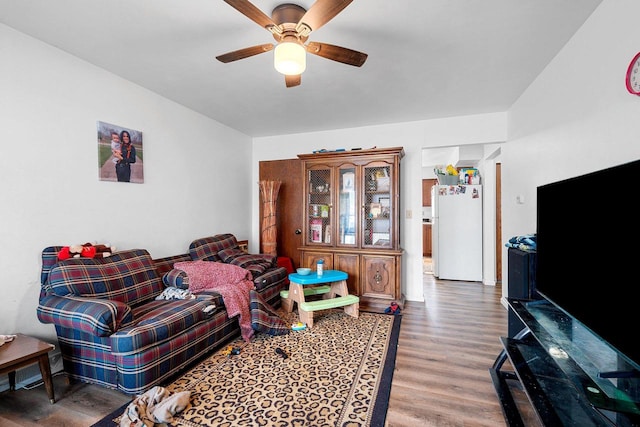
{"type": "Point", "coordinates": [315, 228]}
{"type": "Point", "coordinates": [375, 210]}
{"type": "Point", "coordinates": [116, 163]}
{"type": "Point", "coordinates": [385, 204]}
{"type": "Point", "coordinates": [348, 179]}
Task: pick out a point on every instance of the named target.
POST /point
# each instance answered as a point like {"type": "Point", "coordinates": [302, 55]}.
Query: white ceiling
{"type": "Point", "coordinates": [427, 58]}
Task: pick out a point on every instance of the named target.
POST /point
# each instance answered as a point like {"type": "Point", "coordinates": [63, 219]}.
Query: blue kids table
{"type": "Point", "coordinates": [332, 285]}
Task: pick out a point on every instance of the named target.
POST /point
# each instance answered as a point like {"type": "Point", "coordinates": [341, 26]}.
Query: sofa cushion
{"type": "Point", "coordinates": [157, 321]}
{"type": "Point", "coordinates": [241, 258]}
{"type": "Point", "coordinates": [264, 318]}
{"type": "Point", "coordinates": [176, 278]}
{"type": "Point", "coordinates": [127, 276]}
{"type": "Point", "coordinates": [257, 264]}
{"type": "Point", "coordinates": [207, 248]}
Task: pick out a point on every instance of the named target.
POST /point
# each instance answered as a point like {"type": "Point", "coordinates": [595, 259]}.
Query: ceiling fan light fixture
{"type": "Point", "coordinates": [290, 58]}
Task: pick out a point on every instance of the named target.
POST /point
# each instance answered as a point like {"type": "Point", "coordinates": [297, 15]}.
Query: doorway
{"type": "Point", "coordinates": [289, 207]}
{"type": "Point", "coordinates": [427, 241]}
{"type": "Point", "coordinates": [486, 158]}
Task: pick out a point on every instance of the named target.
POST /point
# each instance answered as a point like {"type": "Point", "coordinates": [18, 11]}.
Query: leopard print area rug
{"type": "Point", "coordinates": [337, 373]}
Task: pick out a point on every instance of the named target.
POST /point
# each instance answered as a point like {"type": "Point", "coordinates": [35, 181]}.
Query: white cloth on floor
{"type": "Point", "coordinates": [156, 405]}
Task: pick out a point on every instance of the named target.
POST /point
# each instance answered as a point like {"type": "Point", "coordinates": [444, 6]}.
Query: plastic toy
{"type": "Point", "coordinates": [298, 326]}
{"type": "Point", "coordinates": [393, 308]}
{"type": "Point", "coordinates": [231, 351]}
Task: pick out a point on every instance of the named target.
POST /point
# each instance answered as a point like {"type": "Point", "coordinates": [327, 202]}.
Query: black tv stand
{"type": "Point", "coordinates": [559, 364]}
{"type": "Point", "coordinates": [620, 374]}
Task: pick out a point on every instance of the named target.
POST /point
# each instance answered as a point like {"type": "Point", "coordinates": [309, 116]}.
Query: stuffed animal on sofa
{"type": "Point", "coordinates": [88, 250]}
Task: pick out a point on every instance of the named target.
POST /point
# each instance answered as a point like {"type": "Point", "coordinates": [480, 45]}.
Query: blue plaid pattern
{"type": "Point", "coordinates": [161, 320]}
{"type": "Point", "coordinates": [156, 364]}
{"type": "Point", "coordinates": [111, 330]}
{"type": "Point", "coordinates": [274, 277]}
{"type": "Point", "coordinates": [164, 265]}
{"type": "Point", "coordinates": [129, 277]}
{"type": "Point", "coordinates": [207, 248]}
{"type": "Point", "coordinates": [176, 278]}
{"type": "Point", "coordinates": [256, 264]}
{"type": "Point", "coordinates": [264, 318]}
{"type": "Point", "coordinates": [99, 317]}
{"type": "Point", "coordinates": [86, 357]}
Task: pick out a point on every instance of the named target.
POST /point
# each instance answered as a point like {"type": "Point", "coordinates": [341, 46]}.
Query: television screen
{"type": "Point", "coordinates": [588, 252]}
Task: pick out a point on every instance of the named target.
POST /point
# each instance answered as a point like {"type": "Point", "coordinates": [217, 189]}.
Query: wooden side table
{"type": "Point", "coordinates": [24, 351]}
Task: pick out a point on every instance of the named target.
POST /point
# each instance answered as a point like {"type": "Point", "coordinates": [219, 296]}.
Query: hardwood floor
{"type": "Point", "coordinates": [77, 405]}
{"type": "Point", "coordinates": [447, 344]}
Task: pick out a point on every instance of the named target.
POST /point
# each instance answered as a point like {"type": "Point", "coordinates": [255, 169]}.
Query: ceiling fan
{"type": "Point", "coordinates": [290, 26]}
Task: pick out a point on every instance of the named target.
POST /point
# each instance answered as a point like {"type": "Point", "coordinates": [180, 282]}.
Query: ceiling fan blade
{"type": "Point", "coordinates": [292, 81]}
{"type": "Point", "coordinates": [337, 53]}
{"type": "Point", "coordinates": [252, 12]}
{"type": "Point", "coordinates": [244, 53]}
{"type": "Point", "coordinates": [321, 12]}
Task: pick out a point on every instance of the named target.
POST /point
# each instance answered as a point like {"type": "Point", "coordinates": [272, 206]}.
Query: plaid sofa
{"type": "Point", "coordinates": [113, 332]}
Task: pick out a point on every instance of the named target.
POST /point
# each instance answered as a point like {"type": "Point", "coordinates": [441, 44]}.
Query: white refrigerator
{"type": "Point", "coordinates": [457, 232]}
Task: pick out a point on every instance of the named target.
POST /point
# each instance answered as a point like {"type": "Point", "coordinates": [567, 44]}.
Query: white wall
{"type": "Point", "coordinates": [413, 136]}
{"type": "Point", "coordinates": [196, 171]}
{"type": "Point", "coordinates": [577, 116]}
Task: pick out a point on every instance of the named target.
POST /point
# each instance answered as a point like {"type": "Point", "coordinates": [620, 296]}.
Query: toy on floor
{"type": "Point", "coordinates": [298, 326]}
{"type": "Point", "coordinates": [282, 353]}
{"type": "Point", "coordinates": [393, 308]}
{"type": "Point", "coordinates": [231, 351]}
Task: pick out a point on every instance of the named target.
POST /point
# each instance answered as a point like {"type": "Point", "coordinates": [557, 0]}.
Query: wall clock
{"type": "Point", "coordinates": [633, 75]}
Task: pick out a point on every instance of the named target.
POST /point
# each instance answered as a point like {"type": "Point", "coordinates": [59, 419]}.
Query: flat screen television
{"type": "Point", "coordinates": [588, 252]}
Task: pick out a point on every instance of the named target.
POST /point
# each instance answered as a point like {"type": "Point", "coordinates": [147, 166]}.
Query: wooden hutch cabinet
{"type": "Point", "coordinates": [352, 219]}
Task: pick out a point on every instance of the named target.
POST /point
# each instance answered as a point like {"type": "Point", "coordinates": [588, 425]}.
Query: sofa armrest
{"type": "Point", "coordinates": [99, 317]}
{"type": "Point", "coordinates": [269, 277]}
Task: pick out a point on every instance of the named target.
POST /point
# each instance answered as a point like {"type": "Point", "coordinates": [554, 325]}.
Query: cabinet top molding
{"type": "Point", "coordinates": [368, 152]}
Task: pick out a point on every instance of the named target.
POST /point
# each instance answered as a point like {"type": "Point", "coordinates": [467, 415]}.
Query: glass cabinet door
{"type": "Point", "coordinates": [347, 211]}
{"type": "Point", "coordinates": [377, 206]}
{"type": "Point", "coordinates": [319, 206]}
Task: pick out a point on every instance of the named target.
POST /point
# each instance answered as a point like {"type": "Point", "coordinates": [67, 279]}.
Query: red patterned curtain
{"type": "Point", "coordinates": [269, 193]}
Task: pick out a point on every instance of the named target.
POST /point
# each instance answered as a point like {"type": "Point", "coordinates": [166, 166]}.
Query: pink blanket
{"type": "Point", "coordinates": [232, 282]}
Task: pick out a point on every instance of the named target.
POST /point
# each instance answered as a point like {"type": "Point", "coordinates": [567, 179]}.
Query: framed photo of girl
{"type": "Point", "coordinates": [119, 154]}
